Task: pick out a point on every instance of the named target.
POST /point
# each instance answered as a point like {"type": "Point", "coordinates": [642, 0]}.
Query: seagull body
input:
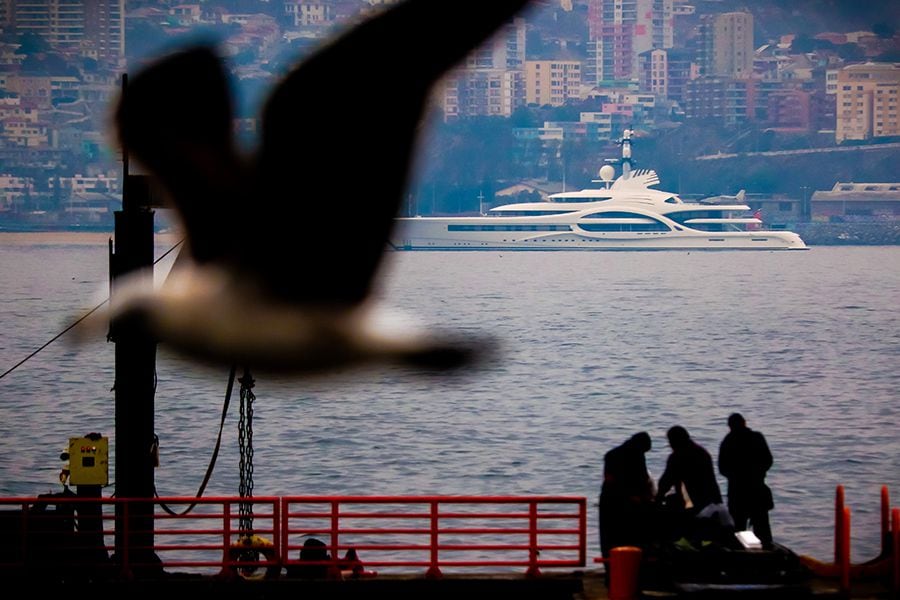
{"type": "Point", "coordinates": [208, 315]}
{"type": "Point", "coordinates": [264, 281]}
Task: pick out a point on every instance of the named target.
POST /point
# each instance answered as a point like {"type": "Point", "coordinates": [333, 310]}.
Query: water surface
{"type": "Point", "coordinates": [593, 347]}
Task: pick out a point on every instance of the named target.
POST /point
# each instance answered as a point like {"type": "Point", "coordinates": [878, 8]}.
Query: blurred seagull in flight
{"type": "Point", "coordinates": [284, 245]}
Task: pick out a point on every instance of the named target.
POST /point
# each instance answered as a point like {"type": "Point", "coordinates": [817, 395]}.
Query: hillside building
{"type": "Point", "coordinates": [89, 28]}
{"type": "Point", "coordinates": [491, 81]}
{"type": "Point", "coordinates": [552, 82]}
{"type": "Point", "coordinates": [867, 103]}
{"type": "Point", "coordinates": [619, 31]}
{"type": "Point", "coordinates": [726, 45]}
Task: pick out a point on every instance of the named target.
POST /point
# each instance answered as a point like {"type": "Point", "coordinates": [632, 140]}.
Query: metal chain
{"type": "Point", "coordinates": [245, 446]}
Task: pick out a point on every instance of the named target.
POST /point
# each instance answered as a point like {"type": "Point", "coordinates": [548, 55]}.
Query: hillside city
{"type": "Point", "coordinates": [722, 95]}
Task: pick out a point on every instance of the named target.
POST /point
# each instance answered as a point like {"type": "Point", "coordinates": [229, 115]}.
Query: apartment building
{"type": "Point", "coordinates": [491, 81]}
{"type": "Point", "coordinates": [41, 90]}
{"type": "Point", "coordinates": [308, 12]}
{"type": "Point", "coordinates": [552, 82]}
{"type": "Point", "coordinates": [12, 189]}
{"type": "Point", "coordinates": [867, 103]}
{"type": "Point", "coordinates": [729, 100]}
{"type": "Point", "coordinates": [619, 31]}
{"type": "Point", "coordinates": [89, 28]}
{"type": "Point", "coordinates": [654, 71]}
{"type": "Point", "coordinates": [726, 45]}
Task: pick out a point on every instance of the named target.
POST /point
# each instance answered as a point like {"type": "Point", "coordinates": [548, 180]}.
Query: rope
{"type": "Point", "coordinates": [53, 339]}
{"type": "Point", "coordinates": [212, 462]}
{"type": "Point", "coordinates": [70, 327]}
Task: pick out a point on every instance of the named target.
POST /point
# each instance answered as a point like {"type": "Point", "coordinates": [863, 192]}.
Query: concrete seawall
{"type": "Point", "coordinates": [849, 234]}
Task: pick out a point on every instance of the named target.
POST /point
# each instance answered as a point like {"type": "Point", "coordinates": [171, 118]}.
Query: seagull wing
{"type": "Point", "coordinates": [175, 119]}
{"type": "Point", "coordinates": [338, 136]}
{"type": "Point", "coordinates": [284, 249]}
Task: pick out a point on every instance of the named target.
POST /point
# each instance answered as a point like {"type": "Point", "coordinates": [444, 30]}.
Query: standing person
{"type": "Point", "coordinates": [626, 496]}
{"type": "Point", "coordinates": [744, 460]}
{"type": "Point", "coordinates": [689, 464]}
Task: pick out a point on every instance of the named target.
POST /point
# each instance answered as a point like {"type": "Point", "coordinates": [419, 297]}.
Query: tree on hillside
{"type": "Point", "coordinates": [851, 52]}
{"type": "Point", "coordinates": [47, 63]}
{"type": "Point", "coordinates": [144, 38]}
{"type": "Point", "coordinates": [31, 43]}
{"type": "Point", "coordinates": [884, 30]}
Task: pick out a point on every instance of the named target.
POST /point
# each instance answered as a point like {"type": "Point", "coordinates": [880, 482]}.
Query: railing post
{"type": "Point", "coordinates": [125, 524]}
{"type": "Point", "coordinates": [582, 531]}
{"type": "Point", "coordinates": [885, 521]}
{"type": "Point", "coordinates": [895, 534]}
{"type": "Point", "coordinates": [334, 571]}
{"type": "Point", "coordinates": [281, 530]}
{"type": "Point", "coordinates": [227, 566]}
{"type": "Point", "coordinates": [838, 518]}
{"type": "Point", "coordinates": [533, 570]}
{"type": "Point", "coordinates": [845, 551]}
{"type": "Point", "coordinates": [276, 532]}
{"type": "Point", "coordinates": [434, 570]}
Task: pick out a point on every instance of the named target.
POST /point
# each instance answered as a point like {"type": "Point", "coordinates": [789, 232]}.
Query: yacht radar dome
{"type": "Point", "coordinates": [607, 172]}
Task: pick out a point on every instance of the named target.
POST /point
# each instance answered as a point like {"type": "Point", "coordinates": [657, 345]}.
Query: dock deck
{"type": "Point", "coordinates": [576, 585]}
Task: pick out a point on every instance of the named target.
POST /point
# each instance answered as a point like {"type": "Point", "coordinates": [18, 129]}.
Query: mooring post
{"type": "Point", "coordinates": [844, 565]}
{"type": "Point", "coordinates": [135, 372]}
{"type": "Point", "coordinates": [838, 517]}
{"type": "Point", "coordinates": [885, 521]}
{"type": "Point", "coordinates": [895, 552]}
{"type": "Point", "coordinates": [135, 356]}
{"type": "Point", "coordinates": [624, 573]}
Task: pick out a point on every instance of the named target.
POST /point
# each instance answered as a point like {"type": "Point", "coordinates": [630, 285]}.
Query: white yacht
{"type": "Point", "coordinates": [623, 213]}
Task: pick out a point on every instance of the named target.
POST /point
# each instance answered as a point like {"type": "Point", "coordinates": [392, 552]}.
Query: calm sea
{"type": "Point", "coordinates": [594, 347]}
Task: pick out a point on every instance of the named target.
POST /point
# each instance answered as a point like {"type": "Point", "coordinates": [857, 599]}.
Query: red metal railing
{"type": "Point", "coordinates": [886, 563]}
{"type": "Point", "coordinates": [77, 536]}
{"type": "Point", "coordinates": [440, 532]}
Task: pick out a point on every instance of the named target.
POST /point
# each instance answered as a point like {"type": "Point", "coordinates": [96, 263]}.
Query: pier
{"type": "Point", "coordinates": [392, 546]}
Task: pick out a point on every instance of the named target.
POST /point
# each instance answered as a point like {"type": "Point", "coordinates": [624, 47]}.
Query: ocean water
{"type": "Point", "coordinates": [593, 347]}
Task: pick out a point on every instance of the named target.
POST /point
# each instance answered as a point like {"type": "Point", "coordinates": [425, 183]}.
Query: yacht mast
{"type": "Point", "coordinates": [626, 153]}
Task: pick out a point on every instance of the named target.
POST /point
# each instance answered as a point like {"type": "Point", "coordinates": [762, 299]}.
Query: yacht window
{"type": "Point", "coordinates": [581, 199]}
{"type": "Point", "coordinates": [681, 217]}
{"type": "Point", "coordinates": [671, 200]}
{"type": "Point", "coordinates": [509, 228]}
{"type": "Point", "coordinates": [529, 213]}
{"type": "Point", "coordinates": [654, 226]}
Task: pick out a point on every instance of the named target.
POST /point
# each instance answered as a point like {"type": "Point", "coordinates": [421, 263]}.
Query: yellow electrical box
{"type": "Point", "coordinates": [89, 460]}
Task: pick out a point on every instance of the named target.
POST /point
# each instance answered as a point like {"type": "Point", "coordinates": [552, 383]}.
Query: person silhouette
{"type": "Point", "coordinates": [689, 471]}
{"type": "Point", "coordinates": [744, 460]}
{"type": "Point", "coordinates": [691, 465]}
{"type": "Point", "coordinates": [626, 496]}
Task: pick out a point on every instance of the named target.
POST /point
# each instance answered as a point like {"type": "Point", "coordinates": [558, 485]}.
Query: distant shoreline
{"type": "Point", "coordinates": [81, 238]}
{"type": "Point", "coordinates": [814, 234]}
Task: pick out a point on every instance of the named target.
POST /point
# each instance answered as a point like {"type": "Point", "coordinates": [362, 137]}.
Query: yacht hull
{"type": "Point", "coordinates": [426, 233]}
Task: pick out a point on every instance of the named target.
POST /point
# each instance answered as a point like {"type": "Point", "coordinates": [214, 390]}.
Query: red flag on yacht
{"type": "Point", "coordinates": [756, 215]}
